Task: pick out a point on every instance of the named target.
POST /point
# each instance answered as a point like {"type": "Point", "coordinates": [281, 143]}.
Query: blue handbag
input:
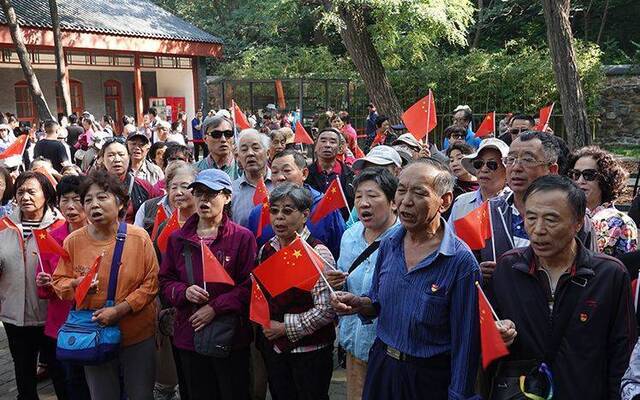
{"type": "Point", "coordinates": [83, 341]}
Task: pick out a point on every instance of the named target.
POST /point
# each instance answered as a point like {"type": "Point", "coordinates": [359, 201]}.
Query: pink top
{"type": "Point", "coordinates": [57, 310]}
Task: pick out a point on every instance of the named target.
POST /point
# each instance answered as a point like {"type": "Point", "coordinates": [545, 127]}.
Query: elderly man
{"type": "Point", "coordinates": [531, 155]}
{"type": "Point", "coordinates": [290, 166]}
{"type": "Point", "coordinates": [253, 151]}
{"type": "Point", "coordinates": [423, 294]}
{"type": "Point", "coordinates": [462, 118]}
{"type": "Point", "coordinates": [381, 156]}
{"type": "Point", "coordinates": [218, 135]}
{"type": "Point", "coordinates": [570, 307]}
{"type": "Point", "coordinates": [326, 168]}
{"type": "Point", "coordinates": [138, 145]}
{"type": "Point", "coordinates": [519, 123]}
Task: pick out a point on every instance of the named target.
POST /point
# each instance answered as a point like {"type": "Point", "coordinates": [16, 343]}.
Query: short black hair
{"type": "Point", "coordinates": [69, 184]}
{"type": "Point", "coordinates": [450, 130]}
{"type": "Point", "coordinates": [152, 111]}
{"type": "Point", "coordinates": [380, 120]}
{"type": "Point", "coordinates": [109, 183]}
{"type": "Point", "coordinates": [154, 149]}
{"type": "Point", "coordinates": [525, 117]}
{"type": "Point", "coordinates": [173, 149]}
{"type": "Point", "coordinates": [47, 188]}
{"type": "Point", "coordinates": [382, 177]}
{"type": "Point", "coordinates": [298, 158]}
{"type": "Point", "coordinates": [50, 123]}
{"type": "Point", "coordinates": [461, 147]}
{"type": "Point", "coordinates": [73, 118]}
{"type": "Point", "coordinates": [549, 144]}
{"type": "Point", "coordinates": [575, 196]}
{"type": "Point", "coordinates": [7, 195]}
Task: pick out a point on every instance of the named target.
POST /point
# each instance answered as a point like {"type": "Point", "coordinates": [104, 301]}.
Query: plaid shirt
{"type": "Point", "coordinates": [299, 325]}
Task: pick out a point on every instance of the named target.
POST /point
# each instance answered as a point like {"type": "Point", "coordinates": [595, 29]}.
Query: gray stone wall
{"type": "Point", "coordinates": [620, 101]}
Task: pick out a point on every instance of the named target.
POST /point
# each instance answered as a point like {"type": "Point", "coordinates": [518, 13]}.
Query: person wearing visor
{"type": "Point", "coordinates": [487, 166]}
{"type": "Point", "coordinates": [200, 305]}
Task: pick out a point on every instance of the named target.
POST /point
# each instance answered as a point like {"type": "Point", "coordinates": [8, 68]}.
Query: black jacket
{"type": "Point", "coordinates": [600, 334]}
{"type": "Point", "coordinates": [319, 182]}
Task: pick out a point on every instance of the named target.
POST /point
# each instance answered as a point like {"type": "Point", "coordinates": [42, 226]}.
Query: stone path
{"type": "Point", "coordinates": [45, 388]}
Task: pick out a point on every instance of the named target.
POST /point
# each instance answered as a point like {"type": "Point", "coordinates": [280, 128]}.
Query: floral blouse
{"type": "Point", "coordinates": [616, 233]}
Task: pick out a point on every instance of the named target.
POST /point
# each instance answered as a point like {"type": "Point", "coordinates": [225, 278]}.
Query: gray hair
{"type": "Point", "coordinates": [341, 139]}
{"type": "Point", "coordinates": [444, 180]}
{"type": "Point", "coordinates": [549, 146]}
{"type": "Point", "coordinates": [300, 196]}
{"type": "Point", "coordinates": [214, 122]}
{"type": "Point", "coordinates": [178, 167]}
{"type": "Point", "coordinates": [265, 141]}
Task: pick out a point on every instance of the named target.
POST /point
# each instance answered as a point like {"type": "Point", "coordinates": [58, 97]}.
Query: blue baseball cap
{"type": "Point", "coordinates": [214, 179]}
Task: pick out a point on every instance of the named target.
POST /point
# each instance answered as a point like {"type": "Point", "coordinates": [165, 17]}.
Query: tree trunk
{"type": "Point", "coordinates": [604, 21]}
{"type": "Point", "coordinates": [476, 36]}
{"type": "Point", "coordinates": [18, 40]}
{"type": "Point", "coordinates": [565, 69]}
{"type": "Point", "coordinates": [357, 40]}
{"type": "Point", "coordinates": [61, 65]}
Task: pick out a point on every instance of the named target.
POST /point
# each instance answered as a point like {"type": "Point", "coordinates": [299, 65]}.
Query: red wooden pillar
{"type": "Point", "coordinates": [137, 89]}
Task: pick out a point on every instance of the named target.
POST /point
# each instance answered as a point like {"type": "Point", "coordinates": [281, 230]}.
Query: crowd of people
{"type": "Point", "coordinates": [396, 302]}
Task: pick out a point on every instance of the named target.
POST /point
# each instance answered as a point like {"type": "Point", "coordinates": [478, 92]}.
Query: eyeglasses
{"type": "Point", "coordinates": [218, 134]}
{"type": "Point", "coordinates": [589, 175]}
{"type": "Point", "coordinates": [491, 164]}
{"type": "Point", "coordinates": [457, 136]}
{"type": "Point", "coordinates": [527, 162]}
{"type": "Point", "coordinates": [207, 194]}
{"type": "Point", "coordinates": [517, 131]}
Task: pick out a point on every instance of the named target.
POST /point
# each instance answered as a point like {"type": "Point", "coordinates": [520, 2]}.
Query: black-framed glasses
{"type": "Point", "coordinates": [218, 134]}
{"type": "Point", "coordinates": [526, 161]}
{"type": "Point", "coordinates": [517, 131]}
{"type": "Point", "coordinates": [491, 164]}
{"type": "Point", "coordinates": [457, 136]}
{"type": "Point", "coordinates": [206, 193]}
{"type": "Point", "coordinates": [589, 175]}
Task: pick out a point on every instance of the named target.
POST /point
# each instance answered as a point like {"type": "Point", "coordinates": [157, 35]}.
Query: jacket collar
{"type": "Point", "coordinates": [189, 231]}
{"type": "Point", "coordinates": [51, 215]}
{"type": "Point", "coordinates": [583, 261]}
{"type": "Point", "coordinates": [447, 245]}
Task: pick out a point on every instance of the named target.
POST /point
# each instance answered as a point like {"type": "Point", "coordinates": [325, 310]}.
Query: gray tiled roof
{"type": "Point", "coordinates": [115, 17]}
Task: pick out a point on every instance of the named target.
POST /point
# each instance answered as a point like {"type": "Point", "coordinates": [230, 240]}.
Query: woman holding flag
{"type": "Point", "coordinates": [22, 312]}
{"type": "Point", "coordinates": [205, 275]}
{"type": "Point", "coordinates": [297, 346]}
{"type": "Point", "coordinates": [92, 255]}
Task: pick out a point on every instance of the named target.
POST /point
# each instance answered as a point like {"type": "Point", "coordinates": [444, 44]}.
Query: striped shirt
{"type": "Point", "coordinates": [432, 309]}
{"type": "Point", "coordinates": [28, 227]}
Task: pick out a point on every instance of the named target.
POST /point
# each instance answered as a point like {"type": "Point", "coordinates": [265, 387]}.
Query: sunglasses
{"type": "Point", "coordinates": [218, 134]}
{"type": "Point", "coordinates": [589, 175]}
{"type": "Point", "coordinates": [457, 136]}
{"type": "Point", "coordinates": [491, 164]}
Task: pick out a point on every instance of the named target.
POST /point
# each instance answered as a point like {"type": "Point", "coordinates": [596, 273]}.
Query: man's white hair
{"type": "Point", "coordinates": [265, 140]}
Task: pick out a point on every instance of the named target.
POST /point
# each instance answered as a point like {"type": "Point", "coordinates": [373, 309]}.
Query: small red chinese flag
{"type": "Point", "coordinates": [475, 227]}
{"type": "Point", "coordinates": [265, 218]}
{"type": "Point", "coordinates": [545, 116]}
{"type": "Point", "coordinates": [333, 199]}
{"type": "Point", "coordinates": [420, 118]}
{"type": "Point", "coordinates": [487, 126]}
{"type": "Point", "coordinates": [290, 267]}
{"type": "Point", "coordinates": [83, 287]}
{"type": "Point", "coordinates": [16, 148]}
{"type": "Point", "coordinates": [240, 119]}
{"type": "Point", "coordinates": [161, 216]}
{"type": "Point", "coordinates": [491, 344]}
{"type": "Point", "coordinates": [212, 270]}
{"type": "Point", "coordinates": [261, 194]}
{"type": "Point", "coordinates": [258, 307]}
{"type": "Point", "coordinates": [171, 226]}
{"type": "Point", "coordinates": [301, 135]}
{"type": "Point", "coordinates": [48, 245]}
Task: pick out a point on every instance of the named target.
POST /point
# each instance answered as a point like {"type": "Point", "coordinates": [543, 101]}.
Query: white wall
{"type": "Point", "coordinates": [178, 83]}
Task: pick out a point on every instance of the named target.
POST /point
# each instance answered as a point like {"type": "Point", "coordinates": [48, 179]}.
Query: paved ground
{"type": "Point", "coordinates": [8, 384]}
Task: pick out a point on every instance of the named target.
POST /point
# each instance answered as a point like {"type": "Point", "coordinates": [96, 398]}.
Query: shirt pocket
{"type": "Point", "coordinates": [431, 318]}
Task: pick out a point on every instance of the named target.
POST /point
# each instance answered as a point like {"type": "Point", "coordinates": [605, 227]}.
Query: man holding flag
{"type": "Point", "coordinates": [424, 296]}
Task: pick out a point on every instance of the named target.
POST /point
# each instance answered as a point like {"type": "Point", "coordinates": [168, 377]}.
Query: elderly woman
{"type": "Point", "coordinates": [603, 179]}
{"type": "Point", "coordinates": [280, 138]}
{"type": "Point", "coordinates": [198, 303]}
{"type": "Point", "coordinates": [297, 348]}
{"type": "Point", "coordinates": [487, 166]}
{"type": "Point", "coordinates": [6, 192]}
{"type": "Point", "coordinates": [105, 198]}
{"type": "Point", "coordinates": [180, 175]}
{"type": "Point", "coordinates": [156, 151]}
{"type": "Point", "coordinates": [424, 296]}
{"type": "Point", "coordinates": [375, 189]}
{"type": "Point", "coordinates": [465, 181]}
{"type": "Point", "coordinates": [68, 196]}
{"type": "Point", "coordinates": [116, 160]}
{"type": "Point", "coordinates": [22, 312]}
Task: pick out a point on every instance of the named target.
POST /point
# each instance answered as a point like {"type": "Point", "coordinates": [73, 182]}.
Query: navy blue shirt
{"type": "Point", "coordinates": [432, 309]}
{"type": "Point", "coordinates": [371, 127]}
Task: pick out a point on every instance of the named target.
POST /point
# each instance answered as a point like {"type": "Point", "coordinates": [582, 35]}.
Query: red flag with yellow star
{"type": "Point", "coordinates": [16, 148]}
{"type": "Point", "coordinates": [212, 270]}
{"type": "Point", "coordinates": [265, 218]}
{"type": "Point", "coordinates": [258, 307]}
{"type": "Point", "coordinates": [288, 268]}
{"type": "Point", "coordinates": [261, 194]}
{"type": "Point", "coordinates": [161, 216]}
{"type": "Point", "coordinates": [85, 284]}
{"type": "Point", "coordinates": [487, 126]}
{"type": "Point", "coordinates": [171, 226]}
{"type": "Point", "coordinates": [491, 344]}
{"type": "Point", "coordinates": [48, 245]}
{"type": "Point", "coordinates": [301, 135]}
{"type": "Point", "coordinates": [475, 227]}
{"type": "Point", "coordinates": [420, 118]}
{"type": "Point", "coordinates": [333, 199]}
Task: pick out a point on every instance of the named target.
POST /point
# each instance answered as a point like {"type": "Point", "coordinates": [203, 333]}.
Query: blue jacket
{"type": "Point", "coordinates": [328, 230]}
